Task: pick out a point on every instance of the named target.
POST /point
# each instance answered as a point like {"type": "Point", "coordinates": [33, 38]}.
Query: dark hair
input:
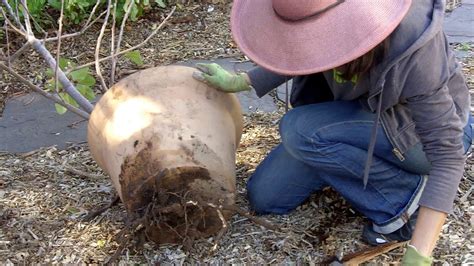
{"type": "Point", "coordinates": [362, 64]}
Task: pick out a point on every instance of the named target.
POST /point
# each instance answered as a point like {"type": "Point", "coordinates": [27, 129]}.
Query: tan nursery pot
{"type": "Point", "coordinates": [168, 143]}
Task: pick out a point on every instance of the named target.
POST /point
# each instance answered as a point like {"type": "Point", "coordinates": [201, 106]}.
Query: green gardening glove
{"type": "Point", "coordinates": [221, 79]}
{"type": "Point", "coordinates": [413, 258]}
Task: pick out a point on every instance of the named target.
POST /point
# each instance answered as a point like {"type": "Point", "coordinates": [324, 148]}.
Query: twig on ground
{"type": "Point", "coordinates": [81, 173]}
{"type": "Point", "coordinates": [92, 215]}
{"type": "Point", "coordinates": [97, 48]}
{"type": "Point", "coordinates": [366, 254]}
{"type": "Point", "coordinates": [74, 124]}
{"type": "Point", "coordinates": [254, 219]}
{"type": "Point", "coordinates": [131, 48]}
{"type": "Point", "coordinates": [37, 89]}
{"type": "Point", "coordinates": [123, 239]}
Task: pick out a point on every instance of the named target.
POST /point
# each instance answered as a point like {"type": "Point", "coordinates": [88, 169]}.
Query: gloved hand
{"type": "Point", "coordinates": [413, 258]}
{"type": "Point", "coordinates": [219, 78]}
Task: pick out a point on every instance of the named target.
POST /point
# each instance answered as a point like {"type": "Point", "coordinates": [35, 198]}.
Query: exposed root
{"type": "Point", "coordinates": [184, 218]}
{"type": "Point", "coordinates": [221, 232]}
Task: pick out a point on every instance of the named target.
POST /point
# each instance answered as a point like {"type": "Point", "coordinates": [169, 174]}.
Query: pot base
{"type": "Point", "coordinates": [174, 205]}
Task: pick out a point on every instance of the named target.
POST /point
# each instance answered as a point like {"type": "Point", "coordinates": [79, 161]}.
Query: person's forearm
{"type": "Point", "coordinates": [263, 81]}
{"type": "Point", "coordinates": [427, 229]}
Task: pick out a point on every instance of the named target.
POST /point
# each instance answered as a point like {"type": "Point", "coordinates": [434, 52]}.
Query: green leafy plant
{"type": "Point", "coordinates": [138, 8]}
{"type": "Point", "coordinates": [135, 57]}
{"type": "Point", "coordinates": [82, 79]}
{"type": "Point", "coordinates": [75, 11]}
{"type": "Point", "coordinates": [36, 8]}
{"type": "Point", "coordinates": [46, 12]}
{"type": "Point", "coordinates": [161, 3]}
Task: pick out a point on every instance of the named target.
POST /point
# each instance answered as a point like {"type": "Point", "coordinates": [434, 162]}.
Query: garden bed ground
{"type": "Point", "coordinates": [43, 197]}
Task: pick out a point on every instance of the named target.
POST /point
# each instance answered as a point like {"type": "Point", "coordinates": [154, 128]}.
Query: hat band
{"type": "Point", "coordinates": [331, 6]}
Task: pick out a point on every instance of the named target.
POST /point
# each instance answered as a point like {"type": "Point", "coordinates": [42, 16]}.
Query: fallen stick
{"type": "Point", "coordinates": [364, 255]}
{"type": "Point", "coordinates": [81, 173]}
{"type": "Point", "coordinates": [254, 219]}
{"type": "Point", "coordinates": [92, 215]}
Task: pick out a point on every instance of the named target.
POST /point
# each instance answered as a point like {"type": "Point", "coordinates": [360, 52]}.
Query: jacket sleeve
{"type": "Point", "coordinates": [263, 81]}
{"type": "Point", "coordinates": [437, 121]}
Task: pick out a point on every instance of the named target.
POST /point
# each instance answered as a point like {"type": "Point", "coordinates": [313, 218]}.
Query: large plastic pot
{"type": "Point", "coordinates": [168, 143]}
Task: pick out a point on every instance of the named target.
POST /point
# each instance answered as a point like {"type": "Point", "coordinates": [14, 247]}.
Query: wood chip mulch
{"type": "Point", "coordinates": [45, 194]}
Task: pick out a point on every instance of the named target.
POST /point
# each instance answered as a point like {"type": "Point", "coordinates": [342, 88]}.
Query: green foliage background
{"type": "Point", "coordinates": [46, 12]}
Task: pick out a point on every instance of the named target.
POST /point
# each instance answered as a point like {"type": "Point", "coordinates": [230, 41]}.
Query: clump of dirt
{"type": "Point", "coordinates": [172, 205]}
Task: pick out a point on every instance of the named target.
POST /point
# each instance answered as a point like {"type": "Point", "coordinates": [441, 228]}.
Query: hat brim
{"type": "Point", "coordinates": [315, 44]}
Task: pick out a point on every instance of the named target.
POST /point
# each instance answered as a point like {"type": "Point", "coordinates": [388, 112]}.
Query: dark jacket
{"type": "Point", "coordinates": [422, 94]}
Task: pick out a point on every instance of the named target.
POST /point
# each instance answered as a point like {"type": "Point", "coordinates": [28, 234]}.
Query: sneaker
{"type": "Point", "coordinates": [403, 234]}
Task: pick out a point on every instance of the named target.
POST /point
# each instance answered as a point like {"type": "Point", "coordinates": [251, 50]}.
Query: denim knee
{"type": "Point", "coordinates": [258, 200]}
{"type": "Point", "coordinates": [290, 137]}
{"type": "Point", "coordinates": [295, 137]}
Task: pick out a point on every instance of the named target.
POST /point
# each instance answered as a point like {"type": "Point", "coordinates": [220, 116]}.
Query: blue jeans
{"type": "Point", "coordinates": [326, 145]}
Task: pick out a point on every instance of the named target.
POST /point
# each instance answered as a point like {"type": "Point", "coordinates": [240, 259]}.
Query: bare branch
{"type": "Point", "coordinates": [8, 43]}
{"type": "Point", "coordinates": [50, 96]}
{"type": "Point", "coordinates": [119, 42]}
{"type": "Point", "coordinates": [21, 32]}
{"type": "Point", "coordinates": [32, 18]}
{"type": "Point", "coordinates": [112, 42]}
{"type": "Point", "coordinates": [58, 49]}
{"type": "Point", "coordinates": [26, 16]}
{"type": "Point", "coordinates": [97, 48]}
{"type": "Point", "coordinates": [19, 52]}
{"type": "Point", "coordinates": [75, 34]}
{"type": "Point", "coordinates": [67, 85]}
{"type": "Point", "coordinates": [12, 14]}
{"type": "Point", "coordinates": [39, 47]}
{"type": "Point", "coordinates": [91, 14]}
{"type": "Point", "coordinates": [25, 47]}
{"type": "Point", "coordinates": [131, 48]}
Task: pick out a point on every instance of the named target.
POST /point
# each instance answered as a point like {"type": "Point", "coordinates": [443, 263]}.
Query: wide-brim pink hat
{"type": "Point", "coordinates": [299, 37]}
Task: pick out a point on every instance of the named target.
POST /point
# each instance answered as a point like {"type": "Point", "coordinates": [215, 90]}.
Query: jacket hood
{"type": "Point", "coordinates": [428, 16]}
